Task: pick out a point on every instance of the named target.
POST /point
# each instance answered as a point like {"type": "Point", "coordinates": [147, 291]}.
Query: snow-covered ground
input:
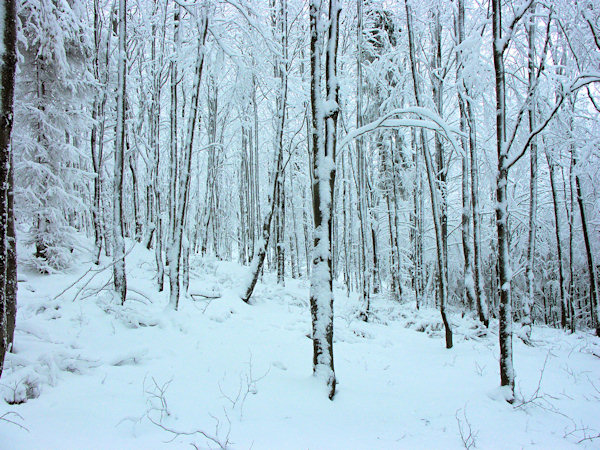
{"type": "Point", "coordinates": [89, 373]}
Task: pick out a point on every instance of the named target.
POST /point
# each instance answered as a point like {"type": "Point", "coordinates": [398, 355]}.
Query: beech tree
{"type": "Point", "coordinates": [324, 109]}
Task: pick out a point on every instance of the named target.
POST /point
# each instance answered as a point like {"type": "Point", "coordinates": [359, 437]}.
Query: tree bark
{"type": "Point", "coordinates": [175, 246]}
{"type": "Point", "coordinates": [324, 130]}
{"type": "Point", "coordinates": [528, 302]}
{"type": "Point", "coordinates": [119, 278]}
{"type": "Point", "coordinates": [435, 202]}
{"type": "Point", "coordinates": [467, 211]}
{"type": "Point", "coordinates": [8, 260]}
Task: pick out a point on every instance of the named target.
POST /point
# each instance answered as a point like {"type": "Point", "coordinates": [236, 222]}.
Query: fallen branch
{"type": "Point", "coordinates": [205, 296]}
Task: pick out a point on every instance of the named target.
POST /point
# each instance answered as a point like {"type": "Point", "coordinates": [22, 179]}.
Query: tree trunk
{"type": "Point", "coordinates": [119, 278]}
{"type": "Point", "coordinates": [467, 211]}
{"type": "Point", "coordinates": [528, 302]}
{"type": "Point", "coordinates": [175, 246]}
{"type": "Point", "coordinates": [8, 256]}
{"type": "Point", "coordinates": [324, 129]}
{"type": "Point", "coordinates": [260, 251]}
{"type": "Point", "coordinates": [589, 257]}
{"type": "Point", "coordinates": [565, 310]}
{"type": "Point", "coordinates": [435, 202]}
{"type": "Point", "coordinates": [361, 188]}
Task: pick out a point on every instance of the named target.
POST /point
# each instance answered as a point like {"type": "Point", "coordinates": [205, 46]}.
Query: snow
{"type": "Point", "coordinates": [96, 374]}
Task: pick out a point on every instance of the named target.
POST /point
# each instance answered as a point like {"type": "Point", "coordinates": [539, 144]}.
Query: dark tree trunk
{"type": "Point", "coordinates": [8, 260]}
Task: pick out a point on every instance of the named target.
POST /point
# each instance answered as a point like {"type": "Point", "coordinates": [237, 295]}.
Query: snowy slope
{"type": "Point", "coordinates": [88, 373]}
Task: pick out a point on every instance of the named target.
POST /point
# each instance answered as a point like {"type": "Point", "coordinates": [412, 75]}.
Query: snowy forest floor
{"type": "Point", "coordinates": [89, 373]}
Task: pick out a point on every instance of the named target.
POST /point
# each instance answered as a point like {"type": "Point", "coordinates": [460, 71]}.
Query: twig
{"type": "Point", "coordinates": [177, 433]}
{"type": "Point", "coordinates": [95, 272]}
{"type": "Point", "coordinates": [3, 417]}
{"type": "Point", "coordinates": [466, 433]}
{"type": "Point", "coordinates": [536, 394]}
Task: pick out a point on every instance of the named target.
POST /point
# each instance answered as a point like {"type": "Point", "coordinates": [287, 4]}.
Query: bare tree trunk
{"type": "Point", "coordinates": [8, 256]}
{"type": "Point", "coordinates": [120, 281]}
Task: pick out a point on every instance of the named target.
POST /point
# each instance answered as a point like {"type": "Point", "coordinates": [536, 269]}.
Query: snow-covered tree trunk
{"type": "Point", "coordinates": [154, 131]}
{"type": "Point", "coordinates": [361, 188]}
{"type": "Point", "coordinates": [97, 132]}
{"type": "Point", "coordinates": [480, 297]}
{"type": "Point", "coordinates": [134, 194]}
{"type": "Point", "coordinates": [175, 246]}
{"type": "Point", "coordinates": [173, 161]}
{"type": "Point", "coordinates": [281, 69]}
{"type": "Point", "coordinates": [437, 82]}
{"type": "Point", "coordinates": [260, 250]}
{"type": "Point", "coordinates": [433, 190]}
{"type": "Point", "coordinates": [119, 278]}
{"type": "Point", "coordinates": [276, 202]}
{"type": "Point", "coordinates": [528, 300]}
{"type": "Point", "coordinates": [499, 46]}
{"type": "Point", "coordinates": [8, 260]}
{"type": "Point", "coordinates": [593, 289]}
{"type": "Point", "coordinates": [416, 229]}
{"type": "Point", "coordinates": [565, 308]}
{"type": "Point", "coordinates": [467, 211]}
{"type": "Point", "coordinates": [324, 134]}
